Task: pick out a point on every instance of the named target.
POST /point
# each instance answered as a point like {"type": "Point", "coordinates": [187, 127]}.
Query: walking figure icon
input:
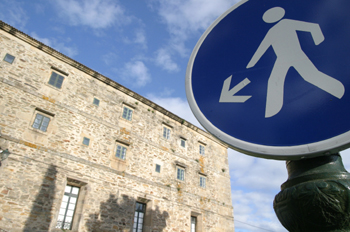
{"type": "Point", "coordinates": [285, 42]}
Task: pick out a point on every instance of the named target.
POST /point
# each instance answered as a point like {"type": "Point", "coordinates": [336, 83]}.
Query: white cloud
{"type": "Point", "coordinates": [253, 212]}
{"type": "Point", "coordinates": [139, 38]}
{"type": "Point", "coordinates": [254, 184]}
{"type": "Point", "coordinates": [97, 14]}
{"type": "Point", "coordinates": [110, 58]}
{"type": "Point", "coordinates": [177, 106]}
{"type": "Point", "coordinates": [136, 73]}
{"type": "Point", "coordinates": [164, 60]}
{"type": "Point", "coordinates": [57, 45]}
{"type": "Point", "coordinates": [184, 18]}
{"type": "Point", "coordinates": [12, 12]}
{"type": "Point", "coordinates": [246, 171]}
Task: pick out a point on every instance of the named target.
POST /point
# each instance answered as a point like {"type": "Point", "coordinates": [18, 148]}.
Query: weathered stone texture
{"type": "Point", "coordinates": [34, 177]}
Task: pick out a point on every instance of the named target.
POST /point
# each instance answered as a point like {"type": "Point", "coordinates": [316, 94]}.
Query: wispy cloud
{"type": "Point", "coordinates": [13, 13]}
{"type": "Point", "coordinates": [97, 14]}
{"type": "Point", "coordinates": [139, 37]}
{"type": "Point", "coordinates": [136, 73]}
{"type": "Point", "coordinates": [175, 105]}
{"type": "Point", "coordinates": [184, 18]}
{"type": "Point", "coordinates": [164, 60]}
{"type": "Point", "coordinates": [57, 45]}
{"type": "Point", "coordinates": [110, 58]}
{"type": "Point", "coordinates": [254, 184]}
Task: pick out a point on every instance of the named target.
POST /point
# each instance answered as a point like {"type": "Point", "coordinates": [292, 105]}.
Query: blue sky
{"type": "Point", "coordinates": [145, 46]}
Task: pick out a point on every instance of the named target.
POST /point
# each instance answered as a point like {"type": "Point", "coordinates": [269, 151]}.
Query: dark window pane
{"type": "Point", "coordinates": [56, 80]}
{"type": "Point", "coordinates": [9, 58]}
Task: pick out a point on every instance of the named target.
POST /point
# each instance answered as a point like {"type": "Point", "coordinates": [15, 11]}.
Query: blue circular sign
{"type": "Point", "coordinates": [272, 78]}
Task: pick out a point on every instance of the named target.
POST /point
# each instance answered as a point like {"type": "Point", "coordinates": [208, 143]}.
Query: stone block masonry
{"type": "Point", "coordinates": [55, 178]}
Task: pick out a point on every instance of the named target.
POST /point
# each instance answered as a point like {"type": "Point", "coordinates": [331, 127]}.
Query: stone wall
{"type": "Point", "coordinates": [41, 164]}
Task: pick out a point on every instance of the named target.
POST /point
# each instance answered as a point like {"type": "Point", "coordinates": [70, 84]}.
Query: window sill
{"type": "Point", "coordinates": [38, 131]}
{"type": "Point", "coordinates": [53, 87]}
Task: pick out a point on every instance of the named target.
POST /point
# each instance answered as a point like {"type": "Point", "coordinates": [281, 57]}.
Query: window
{"type": "Point", "coordinates": [96, 102]}
{"type": "Point", "coordinates": [127, 113]}
{"type": "Point", "coordinates": [201, 149]}
{"type": "Point", "coordinates": [68, 205]}
{"type": "Point", "coordinates": [158, 168]}
{"type": "Point", "coordinates": [56, 80]}
{"type": "Point", "coordinates": [183, 142]}
{"type": "Point", "coordinates": [121, 152]}
{"type": "Point", "coordinates": [202, 181]}
{"type": "Point", "coordinates": [139, 217]}
{"type": "Point", "coordinates": [193, 224]}
{"type": "Point", "coordinates": [41, 122]}
{"type": "Point", "coordinates": [166, 132]}
{"type": "Point", "coordinates": [180, 173]}
{"type": "Point", "coordinates": [86, 141]}
{"type": "Point", "coordinates": [9, 58]}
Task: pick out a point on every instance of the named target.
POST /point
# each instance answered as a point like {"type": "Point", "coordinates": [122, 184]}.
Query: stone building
{"type": "Point", "coordinates": [88, 154]}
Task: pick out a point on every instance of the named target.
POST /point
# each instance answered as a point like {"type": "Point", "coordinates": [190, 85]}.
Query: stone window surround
{"type": "Point", "coordinates": [169, 128]}
{"type": "Point", "coordinates": [79, 209]}
{"type": "Point", "coordinates": [12, 57]}
{"type": "Point", "coordinates": [204, 185]}
{"type": "Point", "coordinates": [44, 113]}
{"type": "Point", "coordinates": [139, 215]}
{"type": "Point", "coordinates": [160, 166]}
{"type": "Point", "coordinates": [41, 122]}
{"type": "Point", "coordinates": [199, 221]}
{"type": "Point", "coordinates": [185, 142]}
{"type": "Point", "coordinates": [86, 139]}
{"type": "Point", "coordinates": [200, 146]}
{"type": "Point", "coordinates": [130, 107]}
{"type": "Point", "coordinates": [122, 143]}
{"type": "Point", "coordinates": [155, 163]}
{"type": "Point", "coordinates": [182, 166]}
{"type": "Point", "coordinates": [59, 72]}
{"type": "Point", "coordinates": [65, 220]}
{"type": "Point", "coordinates": [181, 177]}
{"type": "Point", "coordinates": [147, 221]}
{"type": "Point", "coordinates": [96, 101]}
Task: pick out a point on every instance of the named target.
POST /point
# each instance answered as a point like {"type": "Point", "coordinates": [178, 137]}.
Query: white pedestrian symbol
{"type": "Point", "coordinates": [285, 42]}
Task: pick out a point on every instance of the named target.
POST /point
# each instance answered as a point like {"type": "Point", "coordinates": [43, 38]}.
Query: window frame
{"type": "Point", "coordinates": [194, 219]}
{"type": "Point", "coordinates": [160, 168]}
{"type": "Point", "coordinates": [166, 132]}
{"type": "Point", "coordinates": [202, 149]}
{"type": "Point", "coordinates": [88, 139]}
{"type": "Point", "coordinates": [128, 112]}
{"type": "Point", "coordinates": [201, 177]}
{"type": "Point", "coordinates": [44, 114]}
{"type": "Point", "coordinates": [183, 170]}
{"type": "Point", "coordinates": [96, 101]}
{"type": "Point", "coordinates": [9, 56]}
{"type": "Point", "coordinates": [137, 214]}
{"type": "Point", "coordinates": [69, 196]}
{"type": "Point", "coordinates": [54, 84]}
{"type": "Point", "coordinates": [123, 148]}
{"type": "Point", "coordinates": [43, 123]}
{"type": "Point", "coordinates": [182, 140]}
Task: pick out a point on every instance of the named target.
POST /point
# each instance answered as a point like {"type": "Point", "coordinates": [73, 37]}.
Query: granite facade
{"type": "Point", "coordinates": [43, 163]}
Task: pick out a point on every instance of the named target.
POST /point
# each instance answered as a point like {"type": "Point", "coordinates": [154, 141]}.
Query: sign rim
{"type": "Point", "coordinates": [323, 147]}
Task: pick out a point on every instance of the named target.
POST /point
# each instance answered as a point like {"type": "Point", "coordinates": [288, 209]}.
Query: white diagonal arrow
{"type": "Point", "coordinates": [228, 95]}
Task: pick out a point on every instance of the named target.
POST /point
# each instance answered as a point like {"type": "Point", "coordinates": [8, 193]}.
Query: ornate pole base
{"type": "Point", "coordinates": [316, 196]}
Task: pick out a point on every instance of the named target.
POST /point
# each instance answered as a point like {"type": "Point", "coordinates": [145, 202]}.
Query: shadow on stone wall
{"type": "Point", "coordinates": [117, 214]}
{"type": "Point", "coordinates": [40, 215]}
